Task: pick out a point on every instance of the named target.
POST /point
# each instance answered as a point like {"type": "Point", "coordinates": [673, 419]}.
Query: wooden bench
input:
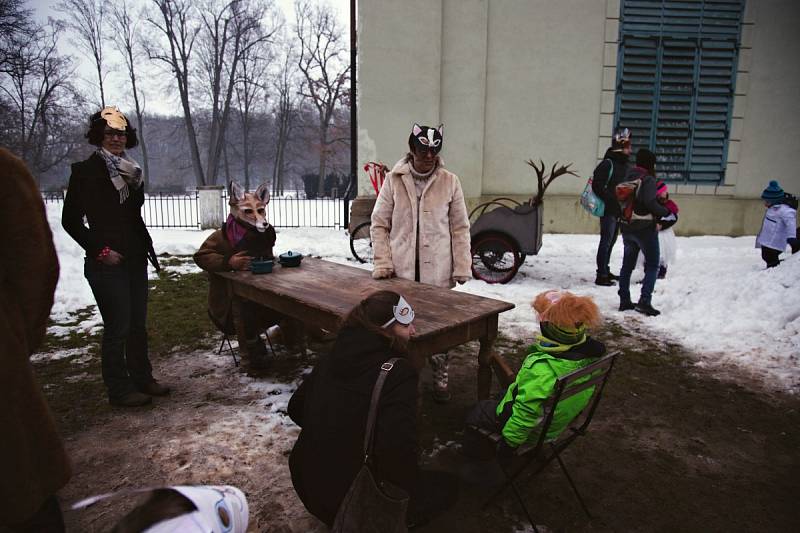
{"type": "Point", "coordinates": [320, 293]}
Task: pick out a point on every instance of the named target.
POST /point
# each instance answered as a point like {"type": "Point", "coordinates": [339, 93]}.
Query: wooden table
{"type": "Point", "coordinates": [321, 293]}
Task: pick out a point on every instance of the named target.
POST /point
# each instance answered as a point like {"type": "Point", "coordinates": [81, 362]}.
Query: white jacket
{"type": "Point", "coordinates": [444, 240]}
{"type": "Point", "coordinates": [780, 224]}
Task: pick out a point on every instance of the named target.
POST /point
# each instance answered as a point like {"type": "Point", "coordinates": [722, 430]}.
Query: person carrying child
{"type": "Point", "coordinates": [667, 244]}
{"type": "Point", "coordinates": [562, 347]}
{"type": "Point", "coordinates": [640, 211]}
{"type": "Point", "coordinates": [779, 226]}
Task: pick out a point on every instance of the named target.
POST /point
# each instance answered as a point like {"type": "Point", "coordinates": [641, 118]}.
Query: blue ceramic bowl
{"type": "Point", "coordinates": [290, 259]}
{"type": "Point", "coordinates": [258, 266]}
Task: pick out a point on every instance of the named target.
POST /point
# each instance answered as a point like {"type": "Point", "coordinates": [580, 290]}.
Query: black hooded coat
{"type": "Point", "coordinates": [331, 407]}
{"type": "Point", "coordinates": [603, 185]}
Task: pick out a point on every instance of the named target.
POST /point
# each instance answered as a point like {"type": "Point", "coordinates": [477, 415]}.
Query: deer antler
{"type": "Point", "coordinates": [543, 182]}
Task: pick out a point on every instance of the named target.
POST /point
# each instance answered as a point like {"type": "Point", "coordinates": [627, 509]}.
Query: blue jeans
{"type": "Point", "coordinates": [121, 295]}
{"type": "Point", "coordinates": [645, 240]}
{"type": "Point", "coordinates": [608, 236]}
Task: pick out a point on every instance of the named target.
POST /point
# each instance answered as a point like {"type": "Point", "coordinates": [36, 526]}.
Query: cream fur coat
{"type": "Point", "coordinates": [444, 240]}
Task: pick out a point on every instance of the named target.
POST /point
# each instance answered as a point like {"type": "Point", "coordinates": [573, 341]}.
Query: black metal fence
{"type": "Point", "coordinates": [180, 210]}
{"type": "Point", "coordinates": [294, 211]}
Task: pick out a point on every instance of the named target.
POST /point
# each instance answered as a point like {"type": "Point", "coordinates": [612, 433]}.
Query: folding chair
{"type": "Point", "coordinates": [594, 375]}
{"type": "Point", "coordinates": [226, 337]}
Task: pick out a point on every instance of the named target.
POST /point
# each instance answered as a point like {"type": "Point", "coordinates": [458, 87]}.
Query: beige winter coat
{"type": "Point", "coordinates": [444, 240]}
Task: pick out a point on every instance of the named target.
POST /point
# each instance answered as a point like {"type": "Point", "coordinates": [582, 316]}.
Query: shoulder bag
{"type": "Point", "coordinates": [592, 203]}
{"type": "Point", "coordinates": [372, 506]}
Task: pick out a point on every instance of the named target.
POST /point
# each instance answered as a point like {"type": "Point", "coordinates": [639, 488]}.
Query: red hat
{"type": "Point", "coordinates": [661, 187]}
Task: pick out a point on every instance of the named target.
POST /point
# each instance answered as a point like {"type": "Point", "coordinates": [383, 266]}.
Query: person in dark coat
{"type": "Point", "coordinates": [611, 170]}
{"type": "Point", "coordinates": [331, 407]}
{"type": "Point", "coordinates": [641, 234]}
{"type": "Point", "coordinates": [32, 458]}
{"type": "Point", "coordinates": [107, 190]}
{"type": "Point", "coordinates": [232, 248]}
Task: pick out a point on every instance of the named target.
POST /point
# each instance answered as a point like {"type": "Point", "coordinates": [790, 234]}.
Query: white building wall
{"type": "Point", "coordinates": [520, 79]}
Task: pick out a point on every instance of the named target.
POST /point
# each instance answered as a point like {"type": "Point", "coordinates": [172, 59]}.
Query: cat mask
{"type": "Point", "coordinates": [426, 138]}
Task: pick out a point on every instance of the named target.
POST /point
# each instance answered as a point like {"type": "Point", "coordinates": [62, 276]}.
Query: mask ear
{"type": "Point", "coordinates": [235, 191]}
{"type": "Point", "coordinates": [262, 193]}
{"type": "Point", "coordinates": [440, 129]}
{"type": "Point", "coordinates": [416, 130]}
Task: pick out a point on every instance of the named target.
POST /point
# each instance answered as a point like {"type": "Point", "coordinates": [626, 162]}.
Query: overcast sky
{"type": "Point", "coordinates": [161, 95]}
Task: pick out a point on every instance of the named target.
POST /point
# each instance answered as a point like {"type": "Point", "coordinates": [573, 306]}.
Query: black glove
{"type": "Point", "coordinates": [505, 453]}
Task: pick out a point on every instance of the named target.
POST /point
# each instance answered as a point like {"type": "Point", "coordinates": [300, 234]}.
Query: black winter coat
{"type": "Point", "coordinates": [604, 187]}
{"type": "Point", "coordinates": [331, 407]}
{"type": "Point", "coordinates": [118, 226]}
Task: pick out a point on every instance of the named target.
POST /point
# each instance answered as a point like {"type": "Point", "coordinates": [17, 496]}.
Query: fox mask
{"type": "Point", "coordinates": [249, 208]}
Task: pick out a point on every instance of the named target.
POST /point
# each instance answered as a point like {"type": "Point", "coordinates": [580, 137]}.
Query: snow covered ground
{"type": "Point", "coordinates": [717, 300]}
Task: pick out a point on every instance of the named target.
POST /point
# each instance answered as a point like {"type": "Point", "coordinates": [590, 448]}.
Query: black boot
{"type": "Point", "coordinates": [647, 309]}
{"type": "Point", "coordinates": [603, 280]}
{"type": "Point", "coordinates": [626, 306]}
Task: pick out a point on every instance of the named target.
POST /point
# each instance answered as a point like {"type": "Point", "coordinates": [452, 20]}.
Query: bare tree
{"type": "Point", "coordinates": [15, 21]}
{"type": "Point", "coordinates": [86, 19]}
{"type": "Point", "coordinates": [176, 23]}
{"type": "Point", "coordinates": [250, 94]}
{"type": "Point", "coordinates": [284, 115]}
{"type": "Point", "coordinates": [43, 107]}
{"type": "Point", "coordinates": [324, 68]}
{"type": "Point", "coordinates": [128, 45]}
{"type": "Point", "coordinates": [231, 30]}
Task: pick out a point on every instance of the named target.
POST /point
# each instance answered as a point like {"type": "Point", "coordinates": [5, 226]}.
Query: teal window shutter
{"type": "Point", "coordinates": [675, 82]}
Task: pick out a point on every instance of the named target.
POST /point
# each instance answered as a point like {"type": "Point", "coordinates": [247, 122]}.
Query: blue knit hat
{"type": "Point", "coordinates": [773, 192]}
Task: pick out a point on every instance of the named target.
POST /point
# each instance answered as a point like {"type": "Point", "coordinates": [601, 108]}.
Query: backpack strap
{"type": "Point", "coordinates": [610, 172]}
{"type": "Point", "coordinates": [369, 434]}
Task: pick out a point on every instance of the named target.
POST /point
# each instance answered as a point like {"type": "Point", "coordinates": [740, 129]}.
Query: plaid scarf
{"type": "Point", "coordinates": [123, 171]}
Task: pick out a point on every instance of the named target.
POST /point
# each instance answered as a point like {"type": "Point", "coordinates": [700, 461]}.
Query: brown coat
{"type": "Point", "coordinates": [33, 463]}
{"type": "Point", "coordinates": [444, 247]}
{"type": "Point", "coordinates": [213, 256]}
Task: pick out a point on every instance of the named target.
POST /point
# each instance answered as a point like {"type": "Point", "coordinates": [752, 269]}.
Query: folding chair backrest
{"type": "Point", "coordinates": [567, 389]}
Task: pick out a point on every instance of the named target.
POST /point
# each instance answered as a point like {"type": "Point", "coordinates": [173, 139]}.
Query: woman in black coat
{"type": "Point", "coordinates": [331, 406]}
{"type": "Point", "coordinates": [107, 190]}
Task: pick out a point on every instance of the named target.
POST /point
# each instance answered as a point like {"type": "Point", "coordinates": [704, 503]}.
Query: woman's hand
{"type": "Point", "coordinates": [112, 258]}
{"type": "Point", "coordinates": [240, 261]}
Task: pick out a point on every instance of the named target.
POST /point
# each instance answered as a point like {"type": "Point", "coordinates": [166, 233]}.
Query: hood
{"type": "Point", "coordinates": [357, 351]}
{"type": "Point", "coordinates": [617, 157]}
{"type": "Point", "coordinates": [589, 348]}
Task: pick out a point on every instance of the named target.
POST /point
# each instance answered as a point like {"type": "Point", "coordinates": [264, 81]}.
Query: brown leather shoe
{"type": "Point", "coordinates": [154, 388]}
{"type": "Point", "coordinates": [131, 399]}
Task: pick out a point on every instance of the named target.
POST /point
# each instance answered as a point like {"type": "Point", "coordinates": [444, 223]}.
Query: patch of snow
{"type": "Point", "coordinates": [718, 300]}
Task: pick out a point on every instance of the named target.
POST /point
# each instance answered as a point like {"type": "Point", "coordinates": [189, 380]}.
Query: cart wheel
{"type": "Point", "coordinates": [361, 243]}
{"type": "Point", "coordinates": [495, 258]}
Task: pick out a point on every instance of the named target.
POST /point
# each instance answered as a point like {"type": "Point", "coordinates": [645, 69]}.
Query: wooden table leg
{"type": "Point", "coordinates": [485, 359]}
{"type": "Point", "coordinates": [237, 308]}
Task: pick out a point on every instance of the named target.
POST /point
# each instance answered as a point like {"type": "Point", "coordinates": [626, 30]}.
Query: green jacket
{"type": "Point", "coordinates": [521, 407]}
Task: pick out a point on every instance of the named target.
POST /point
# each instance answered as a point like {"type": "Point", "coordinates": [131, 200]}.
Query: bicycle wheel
{"type": "Point", "coordinates": [361, 243]}
{"type": "Point", "coordinates": [495, 258]}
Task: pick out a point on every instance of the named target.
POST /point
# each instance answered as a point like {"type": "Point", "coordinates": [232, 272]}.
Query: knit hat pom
{"type": "Point", "coordinates": [773, 191]}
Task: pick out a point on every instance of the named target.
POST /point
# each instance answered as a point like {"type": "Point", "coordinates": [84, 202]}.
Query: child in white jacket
{"type": "Point", "coordinates": [779, 226]}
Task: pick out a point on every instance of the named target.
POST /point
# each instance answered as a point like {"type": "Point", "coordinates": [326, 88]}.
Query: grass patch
{"type": "Point", "coordinates": [177, 315]}
{"type": "Point", "coordinates": [74, 386]}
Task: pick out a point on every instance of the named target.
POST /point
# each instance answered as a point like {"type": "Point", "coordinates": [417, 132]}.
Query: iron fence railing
{"type": "Point", "coordinates": [168, 210]}
{"type": "Point", "coordinates": [293, 211]}
{"type": "Point", "coordinates": [180, 210]}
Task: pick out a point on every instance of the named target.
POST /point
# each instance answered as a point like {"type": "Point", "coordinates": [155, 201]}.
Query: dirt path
{"type": "Point", "coordinates": [671, 448]}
